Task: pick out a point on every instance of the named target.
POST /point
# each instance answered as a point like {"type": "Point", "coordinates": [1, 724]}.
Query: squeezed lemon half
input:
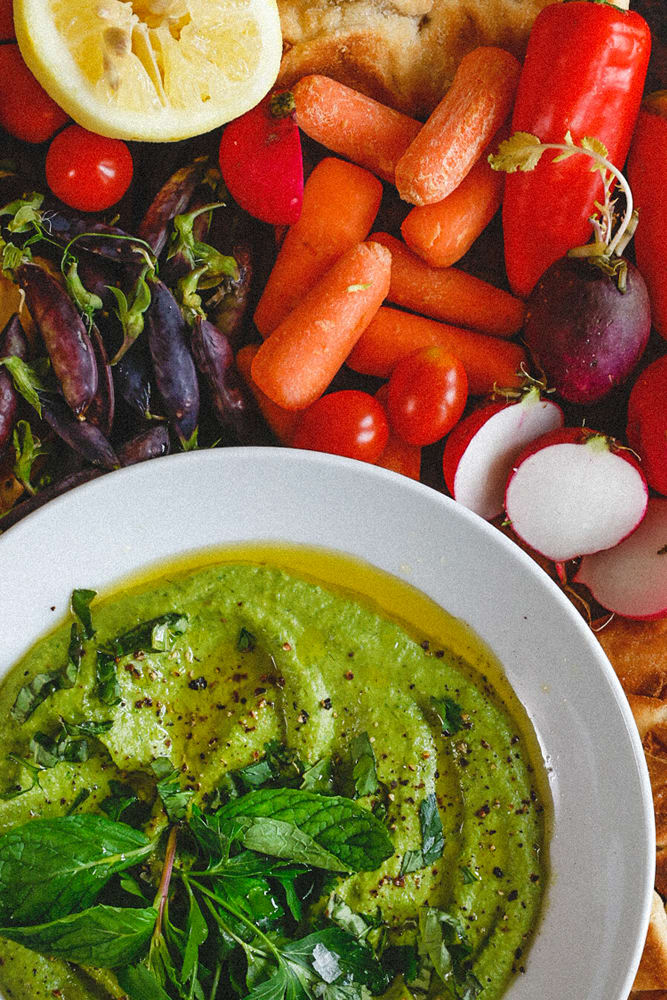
{"type": "Point", "coordinates": [152, 70]}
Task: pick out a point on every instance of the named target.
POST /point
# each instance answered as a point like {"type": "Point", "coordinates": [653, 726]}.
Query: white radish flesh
{"type": "Point", "coordinates": [570, 499]}
{"type": "Point", "coordinates": [483, 469]}
{"type": "Point", "coordinates": [631, 578]}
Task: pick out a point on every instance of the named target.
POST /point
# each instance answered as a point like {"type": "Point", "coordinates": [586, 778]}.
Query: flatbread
{"type": "Point", "coordinates": [401, 52]}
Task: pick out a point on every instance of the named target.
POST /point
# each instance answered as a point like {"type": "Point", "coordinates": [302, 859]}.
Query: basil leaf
{"type": "Point", "coordinates": [450, 714]}
{"type": "Point", "coordinates": [108, 688]}
{"type": "Point", "coordinates": [153, 636]}
{"type": "Point", "coordinates": [49, 750]}
{"type": "Point", "coordinates": [50, 867]}
{"type": "Point", "coordinates": [174, 798]}
{"type": "Point", "coordinates": [34, 693]}
{"type": "Point", "coordinates": [103, 936]}
{"type": "Point", "coordinates": [340, 827]}
{"type": "Point", "coordinates": [87, 727]}
{"type": "Point", "coordinates": [74, 657]}
{"type": "Point", "coordinates": [140, 984]}
{"type": "Point", "coordinates": [364, 772]}
{"type": "Point", "coordinates": [81, 600]}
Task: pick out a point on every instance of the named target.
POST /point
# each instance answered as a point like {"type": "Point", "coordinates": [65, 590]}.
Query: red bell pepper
{"type": "Point", "coordinates": [584, 72]}
{"type": "Point", "coordinates": [647, 173]}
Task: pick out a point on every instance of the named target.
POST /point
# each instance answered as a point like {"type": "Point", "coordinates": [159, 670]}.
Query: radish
{"type": "Point", "coordinates": [588, 318]}
{"type": "Point", "coordinates": [480, 451]}
{"type": "Point", "coordinates": [261, 161]}
{"type": "Point", "coordinates": [575, 491]}
{"type": "Point", "coordinates": [631, 578]}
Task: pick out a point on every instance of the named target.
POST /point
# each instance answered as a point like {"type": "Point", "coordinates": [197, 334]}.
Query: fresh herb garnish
{"type": "Point", "coordinates": [81, 601]}
{"type": "Point", "coordinates": [364, 771]}
{"type": "Point", "coordinates": [469, 876]}
{"type": "Point", "coordinates": [154, 636]}
{"type": "Point", "coordinates": [246, 641]}
{"type": "Point", "coordinates": [433, 841]}
{"type": "Point", "coordinates": [107, 686]}
{"type": "Point", "coordinates": [450, 714]}
{"type": "Point", "coordinates": [174, 798]}
{"type": "Point", "coordinates": [28, 379]}
{"type": "Point", "coordinates": [27, 449]}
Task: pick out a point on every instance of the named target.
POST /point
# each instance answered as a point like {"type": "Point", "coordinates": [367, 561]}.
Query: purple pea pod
{"type": "Point", "coordinates": [82, 436]}
{"type": "Point", "coordinates": [152, 443]}
{"type": "Point", "coordinates": [102, 408]}
{"type": "Point", "coordinates": [13, 342]}
{"type": "Point", "coordinates": [171, 200]}
{"type": "Point", "coordinates": [134, 383]}
{"type": "Point", "coordinates": [175, 373]}
{"type": "Point", "coordinates": [109, 242]}
{"type": "Point", "coordinates": [49, 492]}
{"type": "Point", "coordinates": [234, 404]}
{"type": "Point", "coordinates": [227, 305]}
{"type": "Point", "coordinates": [64, 335]}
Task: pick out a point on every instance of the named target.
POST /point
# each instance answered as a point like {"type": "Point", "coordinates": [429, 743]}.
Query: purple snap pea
{"type": "Point", "coordinates": [81, 435]}
{"type": "Point", "coordinates": [234, 404]}
{"type": "Point", "coordinates": [49, 492]}
{"type": "Point", "coordinates": [134, 382]}
{"type": "Point", "coordinates": [227, 306]}
{"type": "Point", "coordinates": [13, 342]}
{"type": "Point", "coordinates": [175, 373]}
{"type": "Point", "coordinates": [171, 200]}
{"type": "Point", "coordinates": [102, 408]}
{"type": "Point", "coordinates": [152, 443]}
{"type": "Point", "coordinates": [64, 334]}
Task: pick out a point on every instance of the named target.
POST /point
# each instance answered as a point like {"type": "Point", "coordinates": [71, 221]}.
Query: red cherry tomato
{"type": "Point", "coordinates": [26, 110]}
{"type": "Point", "coordinates": [88, 171]}
{"type": "Point", "coordinates": [647, 422]}
{"type": "Point", "coordinates": [6, 21]}
{"type": "Point", "coordinates": [427, 394]}
{"type": "Point", "coordinates": [349, 423]}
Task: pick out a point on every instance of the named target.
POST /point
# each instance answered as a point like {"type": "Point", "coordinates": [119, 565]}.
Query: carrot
{"type": "Point", "coordinates": [392, 334]}
{"type": "Point", "coordinates": [442, 233]}
{"type": "Point", "coordinates": [471, 112]}
{"type": "Point", "coordinates": [297, 362]}
{"type": "Point", "coordinates": [398, 455]}
{"type": "Point", "coordinates": [449, 294]}
{"type": "Point", "coordinates": [340, 202]}
{"type": "Point", "coordinates": [353, 125]}
{"type": "Point", "coordinates": [282, 422]}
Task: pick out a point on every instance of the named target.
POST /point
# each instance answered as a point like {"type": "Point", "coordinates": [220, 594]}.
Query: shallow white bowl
{"type": "Point", "coordinates": [603, 848]}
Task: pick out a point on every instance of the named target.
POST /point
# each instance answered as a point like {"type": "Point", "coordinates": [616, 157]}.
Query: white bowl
{"type": "Point", "coordinates": [603, 846]}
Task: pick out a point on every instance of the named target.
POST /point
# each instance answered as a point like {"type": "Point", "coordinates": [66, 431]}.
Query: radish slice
{"type": "Point", "coordinates": [574, 492]}
{"type": "Point", "coordinates": [631, 578]}
{"type": "Point", "coordinates": [481, 450]}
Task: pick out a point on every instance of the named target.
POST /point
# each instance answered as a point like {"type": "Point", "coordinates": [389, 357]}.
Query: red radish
{"type": "Point", "coordinates": [575, 491]}
{"type": "Point", "coordinates": [261, 161]}
{"type": "Point", "coordinates": [647, 422]}
{"type": "Point", "coordinates": [631, 578]}
{"type": "Point", "coordinates": [481, 450]}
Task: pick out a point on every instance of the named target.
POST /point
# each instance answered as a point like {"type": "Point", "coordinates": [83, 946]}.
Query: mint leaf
{"type": "Point", "coordinates": [364, 772]}
{"type": "Point", "coordinates": [153, 636]}
{"type": "Point", "coordinates": [50, 867]}
{"type": "Point", "coordinates": [246, 641]}
{"type": "Point", "coordinates": [469, 876]}
{"type": "Point", "coordinates": [81, 600]}
{"type": "Point", "coordinates": [350, 837]}
{"type": "Point", "coordinates": [140, 984]}
{"type": "Point", "coordinates": [107, 686]}
{"type": "Point", "coordinates": [174, 798]}
{"type": "Point", "coordinates": [103, 936]}
{"type": "Point", "coordinates": [433, 841]}
{"type": "Point", "coordinates": [450, 714]}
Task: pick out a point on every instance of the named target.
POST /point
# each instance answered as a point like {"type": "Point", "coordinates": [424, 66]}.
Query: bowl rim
{"type": "Point", "coordinates": [315, 464]}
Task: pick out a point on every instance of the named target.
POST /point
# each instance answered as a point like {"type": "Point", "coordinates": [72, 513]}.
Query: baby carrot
{"type": "Point", "coordinates": [297, 362]}
{"type": "Point", "coordinates": [471, 112]}
{"type": "Point", "coordinates": [393, 334]}
{"type": "Point", "coordinates": [340, 202]}
{"type": "Point", "coordinates": [353, 125]}
{"type": "Point", "coordinates": [398, 455]}
{"type": "Point", "coordinates": [442, 233]}
{"type": "Point", "coordinates": [449, 294]}
{"type": "Point", "coordinates": [282, 422]}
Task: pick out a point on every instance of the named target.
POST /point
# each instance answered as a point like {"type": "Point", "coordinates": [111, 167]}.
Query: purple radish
{"type": "Point", "coordinates": [481, 449]}
{"type": "Point", "coordinates": [573, 492]}
{"type": "Point", "coordinates": [583, 332]}
{"type": "Point", "coordinates": [64, 335]}
{"type": "Point", "coordinates": [631, 578]}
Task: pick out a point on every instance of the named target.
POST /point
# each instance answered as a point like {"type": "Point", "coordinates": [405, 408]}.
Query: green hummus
{"type": "Point", "coordinates": [322, 666]}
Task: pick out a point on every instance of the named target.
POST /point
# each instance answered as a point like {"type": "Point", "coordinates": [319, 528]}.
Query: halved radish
{"type": "Point", "coordinates": [480, 451]}
{"type": "Point", "coordinates": [631, 578]}
{"type": "Point", "coordinates": [573, 492]}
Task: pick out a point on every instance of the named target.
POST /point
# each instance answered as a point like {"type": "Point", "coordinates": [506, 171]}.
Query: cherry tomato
{"type": "Point", "coordinates": [6, 21]}
{"type": "Point", "coordinates": [26, 110]}
{"type": "Point", "coordinates": [348, 422]}
{"type": "Point", "coordinates": [647, 422]}
{"type": "Point", "coordinates": [427, 394]}
{"type": "Point", "coordinates": [88, 171]}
